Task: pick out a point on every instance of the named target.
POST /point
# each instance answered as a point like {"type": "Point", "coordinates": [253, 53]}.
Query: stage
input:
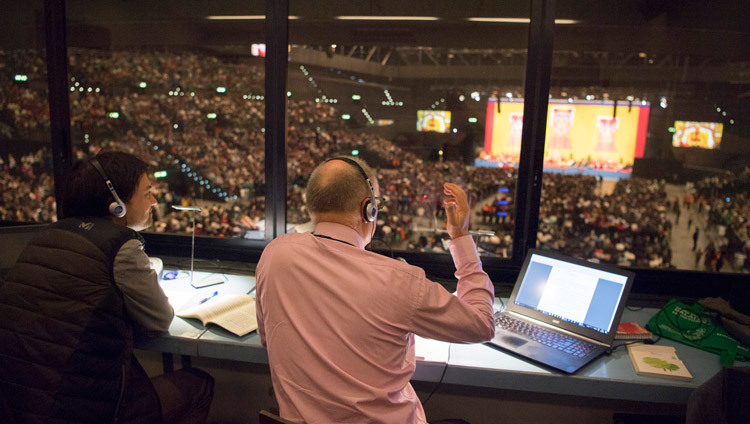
{"type": "Point", "coordinates": [607, 174]}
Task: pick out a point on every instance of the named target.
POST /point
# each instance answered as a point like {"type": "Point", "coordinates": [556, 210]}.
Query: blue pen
{"type": "Point", "coordinates": [209, 297]}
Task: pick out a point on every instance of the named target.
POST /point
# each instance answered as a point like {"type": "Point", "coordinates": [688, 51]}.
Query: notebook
{"type": "Point", "coordinates": [563, 312]}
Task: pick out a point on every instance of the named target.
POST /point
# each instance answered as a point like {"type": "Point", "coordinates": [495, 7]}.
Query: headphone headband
{"type": "Point", "coordinates": [352, 163]}
{"type": "Point", "coordinates": [116, 208]}
{"type": "Point", "coordinates": [370, 210]}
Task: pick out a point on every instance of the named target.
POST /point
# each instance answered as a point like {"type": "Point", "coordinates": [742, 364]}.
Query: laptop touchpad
{"type": "Point", "coordinates": [513, 341]}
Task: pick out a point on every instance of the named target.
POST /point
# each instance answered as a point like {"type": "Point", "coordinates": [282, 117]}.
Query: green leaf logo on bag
{"type": "Point", "coordinates": [658, 363]}
{"type": "Point", "coordinates": [692, 326]}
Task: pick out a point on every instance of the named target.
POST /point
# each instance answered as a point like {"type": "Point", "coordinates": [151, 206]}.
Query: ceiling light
{"type": "Point", "coordinates": [518, 20]}
{"type": "Point", "coordinates": [387, 18]}
{"type": "Point", "coordinates": [241, 17]}
{"type": "Point", "coordinates": [501, 20]}
{"type": "Point", "coordinates": [235, 17]}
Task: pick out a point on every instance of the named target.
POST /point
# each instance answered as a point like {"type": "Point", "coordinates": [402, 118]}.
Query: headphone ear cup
{"type": "Point", "coordinates": [117, 209]}
{"type": "Point", "coordinates": [369, 212]}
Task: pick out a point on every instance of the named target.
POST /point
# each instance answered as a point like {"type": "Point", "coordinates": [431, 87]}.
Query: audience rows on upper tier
{"type": "Point", "coordinates": [219, 137]}
{"type": "Point", "coordinates": [126, 70]}
{"type": "Point", "coordinates": [627, 227]}
{"type": "Point", "coordinates": [27, 188]}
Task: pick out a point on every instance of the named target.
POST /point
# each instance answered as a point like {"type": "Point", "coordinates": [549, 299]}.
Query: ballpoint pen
{"type": "Point", "coordinates": [209, 297]}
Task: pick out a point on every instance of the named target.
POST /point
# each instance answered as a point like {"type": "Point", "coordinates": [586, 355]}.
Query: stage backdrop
{"type": "Point", "coordinates": [579, 131]}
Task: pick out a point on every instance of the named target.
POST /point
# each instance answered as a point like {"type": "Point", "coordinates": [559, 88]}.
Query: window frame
{"type": "Point", "coordinates": [503, 272]}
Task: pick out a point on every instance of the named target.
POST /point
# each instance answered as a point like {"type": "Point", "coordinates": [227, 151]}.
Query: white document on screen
{"type": "Point", "coordinates": [568, 294]}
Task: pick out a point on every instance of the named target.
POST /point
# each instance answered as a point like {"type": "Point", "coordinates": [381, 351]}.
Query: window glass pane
{"type": "Point", "coordinates": [415, 92]}
{"type": "Point", "coordinates": [647, 139]}
{"type": "Point", "coordinates": [181, 86]}
{"type": "Point", "coordinates": [27, 191]}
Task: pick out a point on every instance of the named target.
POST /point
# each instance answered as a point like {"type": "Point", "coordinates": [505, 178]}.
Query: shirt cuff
{"type": "Point", "coordinates": [463, 251]}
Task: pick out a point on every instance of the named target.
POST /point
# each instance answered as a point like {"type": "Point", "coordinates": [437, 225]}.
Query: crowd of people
{"type": "Point", "coordinates": [27, 188]}
{"type": "Point", "coordinates": [627, 227]}
{"type": "Point", "coordinates": [725, 201]}
{"type": "Point", "coordinates": [165, 108]}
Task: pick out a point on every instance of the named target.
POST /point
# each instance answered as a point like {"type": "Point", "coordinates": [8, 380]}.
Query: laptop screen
{"type": "Point", "coordinates": [575, 293]}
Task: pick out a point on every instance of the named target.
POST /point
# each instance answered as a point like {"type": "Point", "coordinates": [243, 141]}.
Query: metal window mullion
{"type": "Point", "coordinates": [277, 40]}
{"type": "Point", "coordinates": [57, 83]}
{"type": "Point", "coordinates": [536, 94]}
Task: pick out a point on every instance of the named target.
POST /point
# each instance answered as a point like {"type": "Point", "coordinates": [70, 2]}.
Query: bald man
{"type": "Point", "coordinates": [339, 321]}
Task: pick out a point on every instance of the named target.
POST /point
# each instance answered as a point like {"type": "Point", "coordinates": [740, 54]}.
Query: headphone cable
{"type": "Point", "coordinates": [447, 361]}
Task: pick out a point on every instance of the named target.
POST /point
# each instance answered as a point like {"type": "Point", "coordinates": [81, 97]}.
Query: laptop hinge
{"type": "Point", "coordinates": [552, 327]}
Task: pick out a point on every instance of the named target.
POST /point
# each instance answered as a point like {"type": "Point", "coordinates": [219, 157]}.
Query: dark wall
{"type": "Point", "coordinates": [733, 154]}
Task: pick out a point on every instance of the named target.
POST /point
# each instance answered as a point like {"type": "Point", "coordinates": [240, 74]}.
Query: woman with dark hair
{"type": "Point", "coordinates": [72, 304]}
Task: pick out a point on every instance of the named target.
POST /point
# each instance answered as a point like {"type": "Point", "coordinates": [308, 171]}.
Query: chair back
{"type": "Point", "coordinates": [266, 417]}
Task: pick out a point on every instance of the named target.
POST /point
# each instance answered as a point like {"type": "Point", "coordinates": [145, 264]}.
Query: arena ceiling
{"type": "Point", "coordinates": [699, 47]}
{"type": "Point", "coordinates": [648, 44]}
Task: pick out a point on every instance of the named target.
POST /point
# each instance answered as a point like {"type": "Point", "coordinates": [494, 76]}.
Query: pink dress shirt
{"type": "Point", "coordinates": [339, 322]}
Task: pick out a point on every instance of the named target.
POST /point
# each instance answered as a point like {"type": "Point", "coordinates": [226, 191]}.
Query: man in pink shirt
{"type": "Point", "coordinates": [339, 321]}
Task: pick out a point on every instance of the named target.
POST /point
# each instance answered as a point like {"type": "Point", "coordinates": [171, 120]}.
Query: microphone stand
{"type": "Point", "coordinates": [192, 245]}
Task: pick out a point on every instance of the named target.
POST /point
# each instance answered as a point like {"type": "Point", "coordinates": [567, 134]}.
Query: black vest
{"type": "Point", "coordinates": [66, 344]}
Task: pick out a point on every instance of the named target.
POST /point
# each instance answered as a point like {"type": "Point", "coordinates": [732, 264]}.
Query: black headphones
{"type": "Point", "coordinates": [370, 209]}
{"type": "Point", "coordinates": [116, 208]}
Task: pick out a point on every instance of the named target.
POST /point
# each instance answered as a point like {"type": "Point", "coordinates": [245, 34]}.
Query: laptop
{"type": "Point", "coordinates": [563, 312]}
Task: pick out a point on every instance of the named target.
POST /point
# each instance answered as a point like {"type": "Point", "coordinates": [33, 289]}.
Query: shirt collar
{"type": "Point", "coordinates": [340, 232]}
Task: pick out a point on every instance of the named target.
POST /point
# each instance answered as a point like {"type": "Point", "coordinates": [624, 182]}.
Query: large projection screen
{"type": "Point", "coordinates": [580, 131]}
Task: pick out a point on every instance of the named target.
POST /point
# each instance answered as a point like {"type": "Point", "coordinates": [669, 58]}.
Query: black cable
{"type": "Point", "coordinates": [647, 304]}
{"type": "Point", "coordinates": [502, 304]}
{"type": "Point", "coordinates": [382, 240]}
{"type": "Point", "coordinates": [676, 324]}
{"type": "Point", "coordinates": [634, 309]}
{"type": "Point", "coordinates": [683, 330]}
{"type": "Point", "coordinates": [630, 342]}
{"type": "Point", "coordinates": [447, 361]}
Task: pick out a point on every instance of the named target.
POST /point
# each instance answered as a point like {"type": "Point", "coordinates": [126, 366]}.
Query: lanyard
{"type": "Point", "coordinates": [331, 238]}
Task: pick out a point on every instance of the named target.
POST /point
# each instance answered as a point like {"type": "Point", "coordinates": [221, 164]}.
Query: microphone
{"type": "Point", "coordinates": [481, 233]}
{"type": "Point", "coordinates": [192, 246]}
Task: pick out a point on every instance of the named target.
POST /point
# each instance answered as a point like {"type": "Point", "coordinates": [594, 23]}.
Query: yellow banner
{"type": "Point", "coordinates": [575, 131]}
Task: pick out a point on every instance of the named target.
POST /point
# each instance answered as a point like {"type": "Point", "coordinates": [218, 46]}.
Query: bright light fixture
{"type": "Point", "coordinates": [235, 17]}
{"type": "Point", "coordinates": [241, 17]}
{"type": "Point", "coordinates": [519, 20]}
{"type": "Point", "coordinates": [388, 18]}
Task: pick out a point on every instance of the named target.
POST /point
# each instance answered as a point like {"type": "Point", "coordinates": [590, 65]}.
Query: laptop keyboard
{"type": "Point", "coordinates": [541, 335]}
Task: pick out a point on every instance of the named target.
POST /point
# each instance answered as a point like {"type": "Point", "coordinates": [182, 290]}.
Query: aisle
{"type": "Point", "coordinates": [681, 240]}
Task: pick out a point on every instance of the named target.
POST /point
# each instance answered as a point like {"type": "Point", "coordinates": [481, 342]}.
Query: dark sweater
{"type": "Point", "coordinates": [66, 343]}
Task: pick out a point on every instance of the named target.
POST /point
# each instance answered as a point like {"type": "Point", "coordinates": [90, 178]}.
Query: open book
{"type": "Point", "coordinates": [234, 312]}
